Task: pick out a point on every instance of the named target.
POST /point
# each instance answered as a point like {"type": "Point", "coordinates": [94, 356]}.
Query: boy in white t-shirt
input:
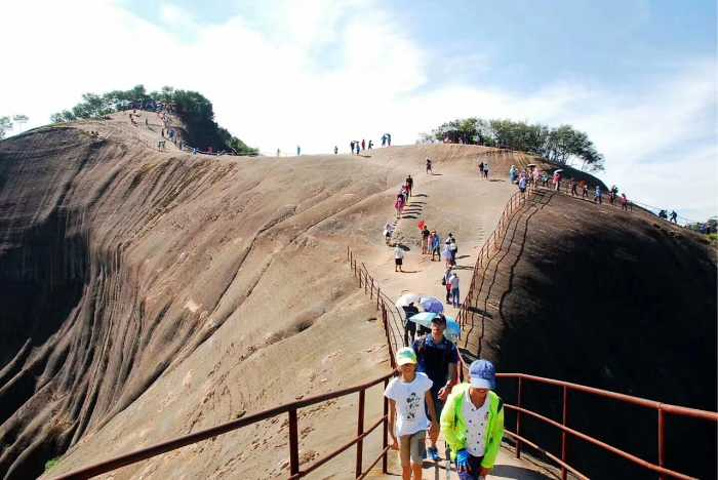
{"type": "Point", "coordinates": [407, 394]}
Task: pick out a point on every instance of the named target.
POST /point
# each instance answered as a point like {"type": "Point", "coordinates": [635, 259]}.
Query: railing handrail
{"type": "Point", "coordinates": [643, 402]}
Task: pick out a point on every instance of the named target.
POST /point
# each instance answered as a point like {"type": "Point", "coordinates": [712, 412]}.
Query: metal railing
{"type": "Point", "coordinates": [662, 409]}
{"type": "Point", "coordinates": [295, 468]}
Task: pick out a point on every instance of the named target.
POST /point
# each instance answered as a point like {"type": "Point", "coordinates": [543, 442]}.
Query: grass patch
{"type": "Point", "coordinates": [51, 463]}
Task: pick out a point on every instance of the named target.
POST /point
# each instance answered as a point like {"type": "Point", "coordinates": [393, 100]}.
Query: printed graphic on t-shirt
{"type": "Point", "coordinates": [413, 402]}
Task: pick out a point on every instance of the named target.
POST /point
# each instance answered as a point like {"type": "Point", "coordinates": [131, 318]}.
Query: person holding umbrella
{"type": "Point", "coordinates": [473, 422]}
{"type": "Point", "coordinates": [409, 327]}
{"type": "Point", "coordinates": [438, 359]}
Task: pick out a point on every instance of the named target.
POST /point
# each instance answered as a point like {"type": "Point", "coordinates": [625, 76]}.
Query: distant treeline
{"type": "Point", "coordinates": [193, 108]}
{"type": "Point", "coordinates": [558, 145]}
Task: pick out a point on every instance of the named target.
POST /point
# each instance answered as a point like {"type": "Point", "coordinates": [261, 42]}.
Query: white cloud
{"type": "Point", "coordinates": [268, 77]}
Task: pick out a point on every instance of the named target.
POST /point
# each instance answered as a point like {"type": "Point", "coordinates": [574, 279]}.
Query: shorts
{"type": "Point", "coordinates": [412, 448]}
{"type": "Point", "coordinates": [398, 261]}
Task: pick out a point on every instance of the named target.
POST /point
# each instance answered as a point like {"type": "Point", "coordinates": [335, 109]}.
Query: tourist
{"type": "Point", "coordinates": [436, 246]}
{"type": "Point", "coordinates": [383, 140]}
{"type": "Point", "coordinates": [425, 233]}
{"type": "Point", "coordinates": [409, 326]}
{"type": "Point", "coordinates": [409, 397]}
{"type": "Point", "coordinates": [473, 422]}
{"type": "Point", "coordinates": [299, 150]}
{"type": "Point", "coordinates": [388, 231]}
{"type": "Point", "coordinates": [584, 188]}
{"type": "Point", "coordinates": [409, 184]}
{"type": "Point", "coordinates": [371, 144]}
{"type": "Point", "coordinates": [454, 293]}
{"type": "Point", "coordinates": [428, 167]}
{"type": "Point", "coordinates": [398, 258]}
{"type": "Point", "coordinates": [574, 188]}
{"type": "Point", "coordinates": [453, 248]}
{"type": "Point", "coordinates": [486, 170]}
{"type": "Point", "coordinates": [351, 147]}
{"type": "Point", "coordinates": [522, 184]}
{"type": "Point", "coordinates": [363, 145]}
{"type": "Point", "coordinates": [544, 179]}
{"type": "Point", "coordinates": [624, 202]}
{"type": "Point", "coordinates": [438, 359]}
{"type": "Point", "coordinates": [336, 149]}
{"type": "Point", "coordinates": [399, 205]}
{"type": "Point", "coordinates": [446, 282]}
{"type": "Point", "coordinates": [674, 217]}
{"type": "Point", "coordinates": [481, 169]}
{"type": "Point", "coordinates": [598, 197]}
{"type": "Point", "coordinates": [557, 181]}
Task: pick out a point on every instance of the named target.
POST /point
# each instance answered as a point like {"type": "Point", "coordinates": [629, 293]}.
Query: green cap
{"type": "Point", "coordinates": [405, 355]}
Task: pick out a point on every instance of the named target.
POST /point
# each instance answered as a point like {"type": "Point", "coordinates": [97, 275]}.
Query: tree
{"type": "Point", "coordinates": [5, 125]}
{"type": "Point", "coordinates": [193, 108]}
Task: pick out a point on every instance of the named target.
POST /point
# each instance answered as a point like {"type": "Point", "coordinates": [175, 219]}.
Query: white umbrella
{"type": "Point", "coordinates": [406, 299]}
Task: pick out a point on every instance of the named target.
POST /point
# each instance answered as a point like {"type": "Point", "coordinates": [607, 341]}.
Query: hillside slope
{"type": "Point", "coordinates": [150, 294]}
{"type": "Point", "coordinates": [616, 300]}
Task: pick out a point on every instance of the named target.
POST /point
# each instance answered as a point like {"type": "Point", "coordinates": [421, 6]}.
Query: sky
{"type": "Point", "coordinates": [639, 76]}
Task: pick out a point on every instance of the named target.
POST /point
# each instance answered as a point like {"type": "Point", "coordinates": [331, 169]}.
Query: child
{"type": "Point", "coordinates": [407, 394]}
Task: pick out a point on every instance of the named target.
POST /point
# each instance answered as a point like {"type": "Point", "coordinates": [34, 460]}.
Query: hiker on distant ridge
{"type": "Point", "coordinates": [351, 147]}
{"type": "Point", "coordinates": [438, 359]}
{"type": "Point", "coordinates": [356, 144]}
{"type": "Point", "coordinates": [363, 145]}
{"type": "Point", "coordinates": [371, 144]}
{"type": "Point", "coordinates": [674, 217]}
{"type": "Point", "coordinates": [336, 149]}
{"type": "Point", "coordinates": [598, 196]}
{"type": "Point", "coordinates": [388, 139]}
{"type": "Point", "coordinates": [383, 140]}
{"type": "Point", "coordinates": [299, 150]}
{"type": "Point", "coordinates": [574, 188]}
{"type": "Point", "coordinates": [398, 258]}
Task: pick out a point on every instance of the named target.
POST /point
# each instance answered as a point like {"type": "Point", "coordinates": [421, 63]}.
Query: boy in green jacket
{"type": "Point", "coordinates": [473, 422]}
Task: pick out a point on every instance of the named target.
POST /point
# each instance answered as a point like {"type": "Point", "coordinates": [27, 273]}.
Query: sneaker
{"type": "Point", "coordinates": [434, 454]}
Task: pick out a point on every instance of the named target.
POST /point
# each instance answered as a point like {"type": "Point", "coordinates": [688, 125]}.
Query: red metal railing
{"type": "Point", "coordinates": [661, 409]}
{"type": "Point", "coordinates": [295, 468]}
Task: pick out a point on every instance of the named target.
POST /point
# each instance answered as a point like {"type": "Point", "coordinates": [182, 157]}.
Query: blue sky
{"type": "Point", "coordinates": [638, 76]}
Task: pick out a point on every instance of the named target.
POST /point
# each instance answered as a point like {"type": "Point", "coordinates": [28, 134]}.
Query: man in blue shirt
{"type": "Point", "coordinates": [438, 359]}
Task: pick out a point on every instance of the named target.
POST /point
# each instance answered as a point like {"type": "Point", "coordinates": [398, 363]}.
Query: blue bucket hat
{"type": "Point", "coordinates": [483, 374]}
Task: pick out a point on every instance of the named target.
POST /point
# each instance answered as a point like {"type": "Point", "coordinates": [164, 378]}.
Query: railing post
{"type": "Point", "coordinates": [564, 435]}
{"type": "Point", "coordinates": [661, 440]}
{"type": "Point", "coordinates": [366, 280]}
{"type": "Point", "coordinates": [293, 443]}
{"type": "Point", "coordinates": [371, 290]}
{"type": "Point", "coordinates": [360, 431]}
{"type": "Point", "coordinates": [385, 434]}
{"type": "Point", "coordinates": [519, 402]}
{"type": "Point", "coordinates": [378, 297]}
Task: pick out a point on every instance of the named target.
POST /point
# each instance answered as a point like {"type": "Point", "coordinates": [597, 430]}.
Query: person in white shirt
{"type": "Point", "coordinates": [409, 396]}
{"type": "Point", "coordinates": [454, 281]}
{"type": "Point", "coordinates": [398, 258]}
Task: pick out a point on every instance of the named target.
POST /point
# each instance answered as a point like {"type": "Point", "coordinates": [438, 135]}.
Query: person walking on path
{"type": "Point", "coordinates": [351, 147]}
{"type": "Point", "coordinates": [674, 217]}
{"type": "Point", "coordinates": [428, 167]}
{"type": "Point", "coordinates": [574, 188]}
{"type": "Point", "coordinates": [436, 246]}
{"type": "Point", "coordinates": [383, 140]}
{"type": "Point", "coordinates": [409, 327]}
{"type": "Point", "coordinates": [453, 248]}
{"type": "Point", "coordinates": [399, 205]}
{"type": "Point", "coordinates": [356, 144]}
{"type": "Point", "coordinates": [584, 189]}
{"type": "Point", "coordinates": [557, 181]}
{"type": "Point", "coordinates": [625, 202]}
{"type": "Point", "coordinates": [454, 283]}
{"type": "Point", "coordinates": [598, 197]}
{"type": "Point", "coordinates": [336, 149]}
{"type": "Point", "coordinates": [410, 398]}
{"type": "Point", "coordinates": [388, 232]}
{"type": "Point", "coordinates": [371, 144]}
{"type": "Point", "coordinates": [438, 359]}
{"type": "Point", "coordinates": [473, 422]}
{"type": "Point", "coordinates": [409, 184]}
{"type": "Point", "coordinates": [398, 258]}
{"type": "Point", "coordinates": [486, 170]}
{"type": "Point", "coordinates": [446, 282]}
{"type": "Point", "coordinates": [522, 184]}
{"type": "Point", "coordinates": [363, 145]}
{"type": "Point", "coordinates": [481, 170]}
{"type": "Point", "coordinates": [299, 150]}
{"type": "Point", "coordinates": [425, 234]}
